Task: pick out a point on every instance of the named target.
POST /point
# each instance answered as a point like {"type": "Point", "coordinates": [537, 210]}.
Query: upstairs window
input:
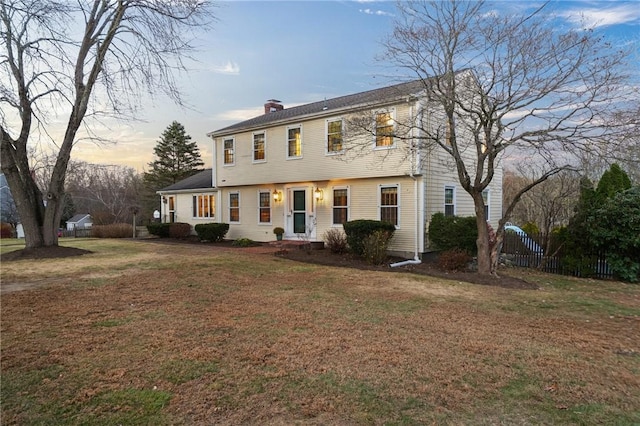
{"type": "Point", "coordinates": [340, 206]}
{"type": "Point", "coordinates": [449, 201]}
{"type": "Point", "coordinates": [204, 206]}
{"type": "Point", "coordinates": [294, 142]}
{"type": "Point", "coordinates": [264, 202]}
{"type": "Point", "coordinates": [334, 136]}
{"type": "Point", "coordinates": [229, 151]}
{"type": "Point", "coordinates": [384, 129]}
{"type": "Point", "coordinates": [259, 146]}
{"type": "Point", "coordinates": [234, 207]}
{"type": "Point", "coordinates": [389, 206]}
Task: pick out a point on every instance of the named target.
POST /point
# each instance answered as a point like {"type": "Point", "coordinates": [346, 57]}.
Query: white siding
{"type": "Point", "coordinates": [314, 165]}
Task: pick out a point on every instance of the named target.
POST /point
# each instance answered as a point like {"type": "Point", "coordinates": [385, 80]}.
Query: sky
{"type": "Point", "coordinates": [297, 52]}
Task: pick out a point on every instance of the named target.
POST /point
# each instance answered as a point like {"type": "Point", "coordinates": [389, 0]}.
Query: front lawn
{"type": "Point", "coordinates": [146, 333]}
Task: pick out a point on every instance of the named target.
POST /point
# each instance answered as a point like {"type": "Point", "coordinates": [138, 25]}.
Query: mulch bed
{"type": "Point", "coordinates": [427, 267]}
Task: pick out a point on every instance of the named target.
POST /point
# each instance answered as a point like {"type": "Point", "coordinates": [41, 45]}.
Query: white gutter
{"type": "Point", "coordinates": [416, 259]}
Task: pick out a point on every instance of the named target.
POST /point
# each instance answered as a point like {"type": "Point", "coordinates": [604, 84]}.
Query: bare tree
{"type": "Point", "coordinates": [549, 205]}
{"type": "Point", "coordinates": [106, 191]}
{"type": "Point", "coordinates": [124, 48]}
{"type": "Point", "coordinates": [502, 83]}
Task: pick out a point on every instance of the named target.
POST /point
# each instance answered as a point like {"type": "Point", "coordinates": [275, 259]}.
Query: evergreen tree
{"type": "Point", "coordinates": [615, 229]}
{"type": "Point", "coordinates": [177, 157]}
{"type": "Point", "coordinates": [612, 181]}
{"type": "Point", "coordinates": [585, 233]}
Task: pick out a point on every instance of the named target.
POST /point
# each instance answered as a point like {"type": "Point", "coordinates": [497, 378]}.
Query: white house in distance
{"type": "Point", "coordinates": [291, 168]}
{"type": "Point", "coordinates": [79, 221]}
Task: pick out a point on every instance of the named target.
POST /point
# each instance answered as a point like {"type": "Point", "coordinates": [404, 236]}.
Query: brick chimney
{"type": "Point", "coordinates": [272, 105]}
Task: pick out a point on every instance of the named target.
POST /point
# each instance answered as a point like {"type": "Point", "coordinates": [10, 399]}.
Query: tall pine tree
{"type": "Point", "coordinates": [177, 157]}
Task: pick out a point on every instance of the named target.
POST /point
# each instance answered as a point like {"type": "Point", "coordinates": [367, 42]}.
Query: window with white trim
{"type": "Point", "coordinates": [384, 129]}
{"type": "Point", "coordinates": [259, 147]}
{"type": "Point", "coordinates": [449, 201]}
{"type": "Point", "coordinates": [234, 207]}
{"type": "Point", "coordinates": [229, 146]}
{"type": "Point", "coordinates": [389, 204]}
{"type": "Point", "coordinates": [485, 199]}
{"type": "Point", "coordinates": [294, 142]}
{"type": "Point", "coordinates": [334, 136]}
{"type": "Point", "coordinates": [340, 205]}
{"type": "Point", "coordinates": [204, 206]}
{"type": "Point", "coordinates": [264, 207]}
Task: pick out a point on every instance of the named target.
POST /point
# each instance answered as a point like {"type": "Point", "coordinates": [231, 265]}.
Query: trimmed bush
{"type": "Point", "coordinates": [358, 230]}
{"type": "Point", "coordinates": [243, 242]}
{"type": "Point", "coordinates": [453, 260]}
{"type": "Point", "coordinates": [336, 240]}
{"type": "Point", "coordinates": [159, 229]}
{"type": "Point", "coordinates": [214, 232]}
{"type": "Point", "coordinates": [375, 247]}
{"type": "Point", "coordinates": [179, 230]}
{"type": "Point", "coordinates": [453, 232]}
{"type": "Point", "coordinates": [114, 230]}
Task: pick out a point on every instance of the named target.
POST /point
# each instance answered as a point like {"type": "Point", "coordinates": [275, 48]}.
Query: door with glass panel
{"type": "Point", "coordinates": [299, 211]}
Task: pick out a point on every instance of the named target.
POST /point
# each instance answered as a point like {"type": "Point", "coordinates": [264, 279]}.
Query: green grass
{"type": "Point", "coordinates": [129, 406]}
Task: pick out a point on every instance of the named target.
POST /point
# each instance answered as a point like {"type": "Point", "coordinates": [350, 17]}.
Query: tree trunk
{"type": "Point", "coordinates": [39, 215]}
{"type": "Point", "coordinates": [482, 243]}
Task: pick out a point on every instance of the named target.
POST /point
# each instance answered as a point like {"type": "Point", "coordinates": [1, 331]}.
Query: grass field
{"type": "Point", "coordinates": [143, 333]}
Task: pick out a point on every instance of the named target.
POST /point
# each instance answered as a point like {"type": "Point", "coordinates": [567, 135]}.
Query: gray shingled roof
{"type": "Point", "coordinates": [326, 107]}
{"type": "Point", "coordinates": [78, 217]}
{"type": "Point", "coordinates": [201, 180]}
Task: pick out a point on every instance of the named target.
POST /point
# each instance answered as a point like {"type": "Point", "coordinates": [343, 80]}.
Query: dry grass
{"type": "Point", "coordinates": [140, 333]}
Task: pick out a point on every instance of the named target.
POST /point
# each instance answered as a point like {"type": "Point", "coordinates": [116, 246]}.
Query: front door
{"type": "Point", "coordinates": [299, 211]}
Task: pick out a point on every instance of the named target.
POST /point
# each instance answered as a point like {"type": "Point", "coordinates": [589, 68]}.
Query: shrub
{"type": "Point", "coordinates": [358, 230]}
{"type": "Point", "coordinates": [114, 230]}
{"type": "Point", "coordinates": [615, 230]}
{"type": "Point", "coordinates": [453, 260]}
{"type": "Point", "coordinates": [179, 230]}
{"type": "Point", "coordinates": [6, 230]}
{"type": "Point", "coordinates": [375, 246]}
{"type": "Point", "coordinates": [531, 229]}
{"type": "Point", "coordinates": [453, 232]}
{"type": "Point", "coordinates": [214, 232]}
{"type": "Point", "coordinates": [243, 242]}
{"type": "Point", "coordinates": [159, 229]}
{"type": "Point", "coordinates": [336, 240]}
{"type": "Point", "coordinates": [278, 230]}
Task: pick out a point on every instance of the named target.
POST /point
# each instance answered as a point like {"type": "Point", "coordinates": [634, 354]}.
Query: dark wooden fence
{"type": "Point", "coordinates": [75, 233]}
{"type": "Point", "coordinates": [538, 251]}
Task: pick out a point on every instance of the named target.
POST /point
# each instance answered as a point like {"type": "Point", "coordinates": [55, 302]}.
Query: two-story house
{"type": "Point", "coordinates": [296, 168]}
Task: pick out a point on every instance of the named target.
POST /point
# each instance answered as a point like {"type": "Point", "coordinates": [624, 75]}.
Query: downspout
{"type": "Point", "coordinates": [416, 258]}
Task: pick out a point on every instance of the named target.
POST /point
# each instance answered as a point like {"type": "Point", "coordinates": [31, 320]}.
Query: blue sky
{"type": "Point", "coordinates": [298, 52]}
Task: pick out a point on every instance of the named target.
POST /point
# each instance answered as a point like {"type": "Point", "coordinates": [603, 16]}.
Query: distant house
{"type": "Point", "coordinates": [79, 221]}
{"type": "Point", "coordinates": [289, 168]}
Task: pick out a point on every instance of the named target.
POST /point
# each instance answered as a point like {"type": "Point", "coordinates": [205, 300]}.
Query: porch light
{"type": "Point", "coordinates": [277, 196]}
{"type": "Point", "coordinates": [318, 194]}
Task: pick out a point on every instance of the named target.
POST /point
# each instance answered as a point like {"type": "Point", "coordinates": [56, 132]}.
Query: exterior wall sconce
{"type": "Point", "coordinates": [318, 194]}
{"type": "Point", "coordinates": [164, 199]}
{"type": "Point", "coordinates": [277, 196]}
